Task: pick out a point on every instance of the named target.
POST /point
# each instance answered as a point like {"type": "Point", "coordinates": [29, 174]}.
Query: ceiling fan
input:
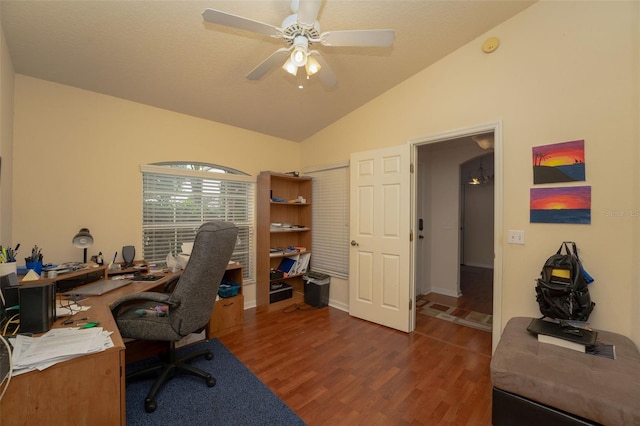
{"type": "Point", "coordinates": [300, 31]}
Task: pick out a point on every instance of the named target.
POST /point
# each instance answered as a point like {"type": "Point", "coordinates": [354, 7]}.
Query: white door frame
{"type": "Point", "coordinates": [496, 128]}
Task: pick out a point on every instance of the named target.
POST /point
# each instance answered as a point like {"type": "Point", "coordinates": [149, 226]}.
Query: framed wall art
{"type": "Point", "coordinates": [559, 162]}
{"type": "Point", "coordinates": [561, 205]}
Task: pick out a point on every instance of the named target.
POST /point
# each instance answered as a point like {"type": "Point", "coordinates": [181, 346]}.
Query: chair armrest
{"type": "Point", "coordinates": [171, 284]}
{"type": "Point", "coordinates": [141, 297]}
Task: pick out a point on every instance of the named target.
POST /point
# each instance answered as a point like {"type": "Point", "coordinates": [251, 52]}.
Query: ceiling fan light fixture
{"type": "Point", "coordinates": [299, 56]}
{"type": "Point", "coordinates": [312, 66]}
{"type": "Point", "coordinates": [299, 31]}
{"type": "Point", "coordinates": [290, 67]}
{"type": "Point", "coordinates": [300, 51]}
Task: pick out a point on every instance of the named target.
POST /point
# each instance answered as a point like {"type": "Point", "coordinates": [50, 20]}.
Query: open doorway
{"type": "Point", "coordinates": [477, 234]}
{"type": "Point", "coordinates": [455, 247]}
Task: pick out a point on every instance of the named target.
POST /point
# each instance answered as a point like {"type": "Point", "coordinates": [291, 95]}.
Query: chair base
{"type": "Point", "coordinates": [168, 369]}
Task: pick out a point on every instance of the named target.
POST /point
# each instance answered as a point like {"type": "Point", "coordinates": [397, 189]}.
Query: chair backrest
{"type": "Point", "coordinates": [198, 285]}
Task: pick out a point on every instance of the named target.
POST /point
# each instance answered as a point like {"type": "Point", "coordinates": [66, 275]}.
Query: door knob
{"type": "Point", "coordinates": [354, 243]}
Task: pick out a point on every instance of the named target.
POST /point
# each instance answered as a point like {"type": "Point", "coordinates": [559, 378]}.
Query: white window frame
{"type": "Point", "coordinates": [161, 180]}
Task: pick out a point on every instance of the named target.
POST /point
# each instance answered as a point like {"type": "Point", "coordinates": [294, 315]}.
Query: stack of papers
{"type": "Point", "coordinates": [57, 345]}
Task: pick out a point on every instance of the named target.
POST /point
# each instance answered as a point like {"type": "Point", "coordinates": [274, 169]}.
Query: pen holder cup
{"type": "Point", "coordinates": [7, 268]}
{"type": "Point", "coordinates": [36, 266]}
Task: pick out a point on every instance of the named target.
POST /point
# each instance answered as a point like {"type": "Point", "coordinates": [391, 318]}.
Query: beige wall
{"type": "Point", "coordinates": [6, 142]}
{"type": "Point", "coordinates": [563, 71]}
{"type": "Point", "coordinates": [77, 163]}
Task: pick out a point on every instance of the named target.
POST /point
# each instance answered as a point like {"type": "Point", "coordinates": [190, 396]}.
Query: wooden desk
{"type": "Point", "coordinates": [228, 314]}
{"type": "Point", "coordinates": [90, 390]}
{"type": "Point", "coordinates": [87, 390]}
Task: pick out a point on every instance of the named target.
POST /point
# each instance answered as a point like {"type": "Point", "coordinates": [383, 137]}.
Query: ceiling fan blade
{"type": "Point", "coordinates": [308, 11]}
{"type": "Point", "coordinates": [277, 58]}
{"type": "Point", "coordinates": [326, 75]}
{"type": "Point", "coordinates": [367, 38]}
{"type": "Point", "coordinates": [228, 20]}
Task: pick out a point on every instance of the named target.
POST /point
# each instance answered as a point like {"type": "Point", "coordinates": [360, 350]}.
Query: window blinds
{"type": "Point", "coordinates": [177, 201]}
{"type": "Point", "coordinates": [330, 207]}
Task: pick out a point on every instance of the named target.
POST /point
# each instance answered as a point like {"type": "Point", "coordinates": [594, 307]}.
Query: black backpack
{"type": "Point", "coordinates": [561, 291]}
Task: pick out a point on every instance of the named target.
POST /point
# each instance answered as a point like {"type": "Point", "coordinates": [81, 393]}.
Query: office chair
{"type": "Point", "coordinates": [190, 306]}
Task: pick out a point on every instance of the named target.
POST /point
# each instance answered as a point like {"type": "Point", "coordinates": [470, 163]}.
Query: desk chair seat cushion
{"type": "Point", "coordinates": [149, 327]}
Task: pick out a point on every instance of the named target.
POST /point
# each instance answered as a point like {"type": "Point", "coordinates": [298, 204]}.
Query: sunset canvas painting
{"type": "Point", "coordinates": [561, 205]}
{"type": "Point", "coordinates": [560, 162]}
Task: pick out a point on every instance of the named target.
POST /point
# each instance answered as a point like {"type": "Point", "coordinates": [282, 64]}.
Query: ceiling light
{"type": "Point", "coordinates": [312, 66]}
{"type": "Point", "coordinates": [481, 177]}
{"type": "Point", "coordinates": [483, 141]}
{"type": "Point", "coordinates": [299, 56]}
{"type": "Point", "coordinates": [290, 67]}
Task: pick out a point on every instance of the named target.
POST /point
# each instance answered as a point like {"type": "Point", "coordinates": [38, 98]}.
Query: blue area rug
{"type": "Point", "coordinates": [238, 398]}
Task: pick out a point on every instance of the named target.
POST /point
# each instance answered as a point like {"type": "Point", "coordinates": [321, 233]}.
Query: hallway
{"type": "Point", "coordinates": [476, 285]}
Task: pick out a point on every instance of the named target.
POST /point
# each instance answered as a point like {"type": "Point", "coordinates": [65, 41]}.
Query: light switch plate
{"type": "Point", "coordinates": [515, 237]}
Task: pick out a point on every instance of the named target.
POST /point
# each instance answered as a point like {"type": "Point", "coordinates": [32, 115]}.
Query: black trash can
{"type": "Point", "coordinates": [316, 289]}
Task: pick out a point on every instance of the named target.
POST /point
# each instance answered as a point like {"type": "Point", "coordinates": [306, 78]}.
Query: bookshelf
{"type": "Point", "coordinates": [283, 231]}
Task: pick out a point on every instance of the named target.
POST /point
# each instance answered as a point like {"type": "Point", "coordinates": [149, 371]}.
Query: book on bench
{"type": "Point", "coordinates": [576, 338]}
{"type": "Point", "coordinates": [544, 338]}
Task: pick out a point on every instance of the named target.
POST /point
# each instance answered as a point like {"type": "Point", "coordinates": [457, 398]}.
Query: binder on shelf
{"type": "Point", "coordinates": [288, 264]}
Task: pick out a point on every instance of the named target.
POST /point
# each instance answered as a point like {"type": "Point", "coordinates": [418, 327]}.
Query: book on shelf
{"type": "Point", "coordinates": [280, 251]}
{"type": "Point", "coordinates": [286, 251]}
{"type": "Point", "coordinates": [278, 226]}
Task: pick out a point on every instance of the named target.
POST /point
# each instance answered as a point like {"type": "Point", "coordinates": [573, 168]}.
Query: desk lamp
{"type": "Point", "coordinates": [83, 240]}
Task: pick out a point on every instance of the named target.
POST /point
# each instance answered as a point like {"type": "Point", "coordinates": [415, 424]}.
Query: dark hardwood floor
{"type": "Point", "coordinates": [333, 369]}
{"type": "Point", "coordinates": [476, 286]}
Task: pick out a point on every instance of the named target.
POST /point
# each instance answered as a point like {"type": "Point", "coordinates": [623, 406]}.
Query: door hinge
{"type": "Point", "coordinates": [411, 236]}
{"type": "Point", "coordinates": [411, 168]}
{"type": "Point", "coordinates": [410, 304]}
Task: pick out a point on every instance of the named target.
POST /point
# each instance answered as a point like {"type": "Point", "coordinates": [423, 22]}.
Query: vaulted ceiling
{"type": "Point", "coordinates": [162, 53]}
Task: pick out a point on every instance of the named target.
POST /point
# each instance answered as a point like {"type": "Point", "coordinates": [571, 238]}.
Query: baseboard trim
{"type": "Point", "coordinates": [445, 292]}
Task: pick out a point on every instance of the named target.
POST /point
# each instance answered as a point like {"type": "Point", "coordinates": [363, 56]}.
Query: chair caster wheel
{"type": "Point", "coordinates": [211, 381]}
{"type": "Point", "coordinates": [208, 356]}
{"type": "Point", "coordinates": [150, 405]}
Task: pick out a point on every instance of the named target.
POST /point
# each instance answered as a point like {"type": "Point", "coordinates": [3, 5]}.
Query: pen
{"type": "Point", "coordinates": [114, 257]}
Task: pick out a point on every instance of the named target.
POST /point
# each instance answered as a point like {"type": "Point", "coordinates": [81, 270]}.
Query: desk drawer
{"type": "Point", "coordinates": [228, 315]}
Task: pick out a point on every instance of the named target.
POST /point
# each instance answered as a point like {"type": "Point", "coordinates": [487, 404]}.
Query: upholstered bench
{"type": "Point", "coordinates": [539, 383]}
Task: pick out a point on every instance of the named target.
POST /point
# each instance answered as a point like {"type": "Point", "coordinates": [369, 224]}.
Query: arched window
{"type": "Point", "coordinates": [177, 197]}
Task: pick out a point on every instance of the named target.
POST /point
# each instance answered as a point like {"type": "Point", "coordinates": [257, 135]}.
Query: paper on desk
{"type": "Point", "coordinates": [58, 344]}
{"type": "Point", "coordinates": [68, 310]}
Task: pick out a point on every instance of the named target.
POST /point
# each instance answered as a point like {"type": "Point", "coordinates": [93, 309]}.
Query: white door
{"type": "Point", "coordinates": [380, 276]}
